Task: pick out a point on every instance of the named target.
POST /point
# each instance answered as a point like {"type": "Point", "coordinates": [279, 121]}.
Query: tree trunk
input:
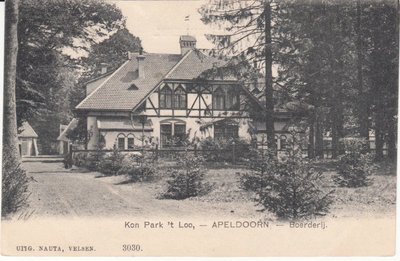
{"type": "Point", "coordinates": [392, 130]}
{"type": "Point", "coordinates": [337, 129]}
{"type": "Point", "coordinates": [319, 136]}
{"type": "Point", "coordinates": [10, 138]}
{"type": "Point", "coordinates": [378, 137]}
{"type": "Point", "coordinates": [363, 111]}
{"type": "Point", "coordinates": [269, 100]}
{"type": "Point", "coordinates": [311, 138]}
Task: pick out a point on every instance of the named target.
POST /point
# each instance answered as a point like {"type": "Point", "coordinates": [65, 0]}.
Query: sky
{"type": "Point", "coordinates": [160, 23]}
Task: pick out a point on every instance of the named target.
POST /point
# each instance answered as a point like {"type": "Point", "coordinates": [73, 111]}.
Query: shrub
{"type": "Point", "coordinates": [15, 192]}
{"type": "Point", "coordinates": [354, 167]}
{"type": "Point", "coordinates": [111, 164]}
{"type": "Point", "coordinates": [290, 188]}
{"type": "Point", "coordinates": [253, 181]}
{"type": "Point", "coordinates": [139, 168]}
{"type": "Point", "coordinates": [188, 180]}
{"type": "Point", "coordinates": [93, 160]}
{"type": "Point", "coordinates": [79, 159]}
{"type": "Point", "coordinates": [227, 150]}
{"type": "Point", "coordinates": [141, 173]}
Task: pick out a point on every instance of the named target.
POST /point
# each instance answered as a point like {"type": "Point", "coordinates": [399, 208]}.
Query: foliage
{"type": "Point", "coordinates": [15, 192]}
{"type": "Point", "coordinates": [247, 38]}
{"type": "Point", "coordinates": [90, 160]}
{"type": "Point", "coordinates": [188, 180]}
{"type": "Point", "coordinates": [139, 168]}
{"type": "Point", "coordinates": [53, 36]}
{"type": "Point", "coordinates": [111, 52]}
{"type": "Point", "coordinates": [79, 134]}
{"type": "Point", "coordinates": [111, 163]}
{"type": "Point", "coordinates": [337, 59]}
{"type": "Point", "coordinates": [227, 150]}
{"type": "Point", "coordinates": [354, 167]}
{"type": "Point", "coordinates": [289, 188]}
{"type": "Point", "coordinates": [79, 159]}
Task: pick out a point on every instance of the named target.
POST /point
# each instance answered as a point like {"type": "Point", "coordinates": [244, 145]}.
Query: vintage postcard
{"type": "Point", "coordinates": [202, 128]}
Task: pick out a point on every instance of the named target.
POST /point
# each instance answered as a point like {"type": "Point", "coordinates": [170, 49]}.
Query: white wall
{"type": "Point", "coordinates": [192, 124]}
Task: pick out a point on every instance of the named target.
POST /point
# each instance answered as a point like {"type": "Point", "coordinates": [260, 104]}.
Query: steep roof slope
{"type": "Point", "coordinates": [26, 131]}
{"type": "Point", "coordinates": [192, 65]}
{"type": "Point", "coordinates": [71, 125]}
{"type": "Point", "coordinates": [123, 90]}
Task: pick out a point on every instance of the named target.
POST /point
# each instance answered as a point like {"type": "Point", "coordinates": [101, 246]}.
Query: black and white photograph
{"type": "Point", "coordinates": [246, 127]}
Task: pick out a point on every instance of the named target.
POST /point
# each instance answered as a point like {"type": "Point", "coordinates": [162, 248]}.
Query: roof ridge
{"type": "Point", "coordinates": [102, 84]}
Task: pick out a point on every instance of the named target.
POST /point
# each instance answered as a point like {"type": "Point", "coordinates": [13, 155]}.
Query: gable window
{"type": "Point", "coordinates": [219, 99]}
{"type": "Point", "coordinates": [180, 98]}
{"type": "Point", "coordinates": [166, 97]}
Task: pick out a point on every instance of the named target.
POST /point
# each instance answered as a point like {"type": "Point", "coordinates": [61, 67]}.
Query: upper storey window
{"type": "Point", "coordinates": [170, 99]}
{"type": "Point", "coordinates": [219, 99]}
{"type": "Point", "coordinates": [180, 98]}
{"type": "Point", "coordinates": [166, 97]}
{"type": "Point", "coordinates": [226, 99]}
{"type": "Point", "coordinates": [232, 99]}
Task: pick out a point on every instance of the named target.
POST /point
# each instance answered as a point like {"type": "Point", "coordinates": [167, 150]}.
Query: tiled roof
{"type": "Point", "coordinates": [123, 90]}
{"type": "Point", "coordinates": [192, 65]}
{"type": "Point", "coordinates": [115, 93]}
{"type": "Point", "coordinates": [26, 131]}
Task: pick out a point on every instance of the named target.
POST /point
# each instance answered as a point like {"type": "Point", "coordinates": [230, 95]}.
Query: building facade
{"type": "Point", "coordinates": [165, 99]}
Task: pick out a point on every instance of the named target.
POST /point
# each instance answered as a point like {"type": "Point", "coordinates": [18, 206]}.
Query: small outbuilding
{"type": "Point", "coordinates": [27, 139]}
{"type": "Point", "coordinates": [63, 141]}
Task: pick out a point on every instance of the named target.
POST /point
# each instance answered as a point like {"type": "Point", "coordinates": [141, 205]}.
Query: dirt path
{"type": "Point", "coordinates": [60, 192]}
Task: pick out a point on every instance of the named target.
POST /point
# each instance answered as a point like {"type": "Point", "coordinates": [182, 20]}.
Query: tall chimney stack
{"type": "Point", "coordinates": [187, 43]}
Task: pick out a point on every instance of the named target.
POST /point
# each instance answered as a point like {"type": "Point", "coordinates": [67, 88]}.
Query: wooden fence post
{"type": "Point", "coordinates": [69, 158]}
{"type": "Point", "coordinates": [195, 150]}
{"type": "Point", "coordinates": [233, 152]}
{"type": "Point", "coordinates": [156, 151]}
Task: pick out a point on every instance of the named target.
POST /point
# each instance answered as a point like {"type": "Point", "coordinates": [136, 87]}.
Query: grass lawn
{"type": "Point", "coordinates": [78, 192]}
{"type": "Point", "coordinates": [378, 199]}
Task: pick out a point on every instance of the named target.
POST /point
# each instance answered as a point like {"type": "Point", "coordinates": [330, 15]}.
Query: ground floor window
{"type": "Point", "coordinates": [125, 142]}
{"type": "Point", "coordinates": [172, 134]}
{"type": "Point", "coordinates": [226, 131]}
{"type": "Point", "coordinates": [121, 143]}
{"type": "Point", "coordinates": [131, 143]}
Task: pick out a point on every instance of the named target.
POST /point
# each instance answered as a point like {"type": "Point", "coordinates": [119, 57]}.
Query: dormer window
{"type": "Point", "coordinates": [166, 97]}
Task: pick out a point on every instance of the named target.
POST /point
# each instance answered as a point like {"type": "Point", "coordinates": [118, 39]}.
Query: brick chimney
{"type": "Point", "coordinates": [187, 43]}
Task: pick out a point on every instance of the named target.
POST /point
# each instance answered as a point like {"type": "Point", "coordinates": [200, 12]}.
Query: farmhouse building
{"type": "Point", "coordinates": [163, 97]}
